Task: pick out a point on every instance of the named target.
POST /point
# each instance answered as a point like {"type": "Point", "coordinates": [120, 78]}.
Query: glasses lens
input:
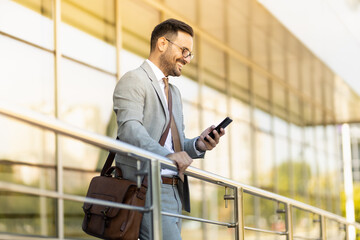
{"type": "Point", "coordinates": [186, 53]}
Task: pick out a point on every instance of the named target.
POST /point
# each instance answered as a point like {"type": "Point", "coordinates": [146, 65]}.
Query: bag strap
{"type": "Point", "coordinates": [110, 159]}
{"type": "Point", "coordinates": [108, 162]}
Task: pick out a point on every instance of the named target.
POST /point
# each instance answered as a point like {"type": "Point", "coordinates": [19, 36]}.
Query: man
{"type": "Point", "coordinates": [142, 99]}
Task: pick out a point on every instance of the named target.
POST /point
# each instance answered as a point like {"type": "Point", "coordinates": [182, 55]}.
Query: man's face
{"type": "Point", "coordinates": [172, 60]}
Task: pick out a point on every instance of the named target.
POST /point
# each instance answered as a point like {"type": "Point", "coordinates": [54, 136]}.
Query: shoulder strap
{"type": "Point", "coordinates": [109, 161]}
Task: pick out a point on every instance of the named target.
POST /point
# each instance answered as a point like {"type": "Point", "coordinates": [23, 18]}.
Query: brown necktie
{"type": "Point", "coordinates": [174, 131]}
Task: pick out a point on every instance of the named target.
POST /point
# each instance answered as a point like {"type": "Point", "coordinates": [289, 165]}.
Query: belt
{"type": "Point", "coordinates": [170, 180]}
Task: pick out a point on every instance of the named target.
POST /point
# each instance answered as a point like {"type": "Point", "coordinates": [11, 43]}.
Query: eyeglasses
{"type": "Point", "coordinates": [185, 52]}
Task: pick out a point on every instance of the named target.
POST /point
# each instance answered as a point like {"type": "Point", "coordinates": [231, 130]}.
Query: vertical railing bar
{"type": "Point", "coordinates": [323, 227]}
{"type": "Point", "coordinates": [289, 222]}
{"type": "Point", "coordinates": [239, 214]}
{"type": "Point", "coordinates": [156, 199]}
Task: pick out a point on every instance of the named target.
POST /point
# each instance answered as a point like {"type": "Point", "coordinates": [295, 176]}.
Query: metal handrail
{"type": "Point", "coordinates": [55, 125]}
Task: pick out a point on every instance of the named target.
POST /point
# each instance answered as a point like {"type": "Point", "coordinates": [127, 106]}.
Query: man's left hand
{"type": "Point", "coordinates": [203, 145]}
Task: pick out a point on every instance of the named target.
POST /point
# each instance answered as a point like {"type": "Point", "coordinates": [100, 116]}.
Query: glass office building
{"type": "Point", "coordinates": [62, 58]}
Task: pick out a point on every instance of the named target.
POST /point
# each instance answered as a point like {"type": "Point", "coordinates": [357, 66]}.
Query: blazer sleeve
{"type": "Point", "coordinates": [129, 102]}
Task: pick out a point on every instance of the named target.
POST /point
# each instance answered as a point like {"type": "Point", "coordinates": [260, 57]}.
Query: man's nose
{"type": "Point", "coordinates": [187, 59]}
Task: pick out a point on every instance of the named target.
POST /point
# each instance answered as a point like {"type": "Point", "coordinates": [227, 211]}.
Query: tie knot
{"type": "Point", "coordinates": [166, 81]}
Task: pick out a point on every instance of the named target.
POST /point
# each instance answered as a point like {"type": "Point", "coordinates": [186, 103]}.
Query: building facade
{"type": "Point", "coordinates": [63, 58]}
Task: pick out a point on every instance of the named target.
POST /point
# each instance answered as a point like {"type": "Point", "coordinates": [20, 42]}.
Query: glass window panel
{"type": "Point", "coordinates": [259, 47]}
{"type": "Point", "coordinates": [189, 89]}
{"type": "Point", "coordinates": [262, 213]}
{"type": "Point", "coordinates": [278, 95]}
{"type": "Point", "coordinates": [335, 230]}
{"type": "Point", "coordinates": [192, 125]}
{"type": "Point", "coordinates": [23, 143]}
{"type": "Point", "coordinates": [210, 205]}
{"type": "Point", "coordinates": [237, 29]}
{"type": "Point", "coordinates": [331, 139]}
{"type": "Point", "coordinates": [280, 127]}
{"type": "Point", "coordinates": [242, 6]}
{"type": "Point", "coordinates": [262, 120]}
{"type": "Point", "coordinates": [320, 137]}
{"type": "Point", "coordinates": [260, 17]}
{"type": "Point", "coordinates": [27, 215]}
{"type": "Point", "coordinates": [308, 113]}
{"type": "Point", "coordinates": [309, 136]}
{"type": "Point", "coordinates": [306, 71]}
{"type": "Point", "coordinates": [239, 110]}
{"type": "Point", "coordinates": [212, 11]}
{"type": "Point", "coordinates": [305, 224]}
{"type": "Point", "coordinates": [217, 160]}
{"type": "Point", "coordinates": [292, 65]}
{"type": "Point", "coordinates": [317, 79]}
{"type": "Point", "coordinates": [34, 25]}
{"type": "Point", "coordinates": [213, 60]}
{"type": "Point", "coordinates": [282, 170]}
{"type": "Point", "coordinates": [311, 160]}
{"type": "Point", "coordinates": [261, 85]}
{"type": "Point", "coordinates": [294, 107]}
{"type": "Point", "coordinates": [137, 30]}
{"type": "Point", "coordinates": [85, 100]}
{"type": "Point", "coordinates": [300, 172]}
{"type": "Point", "coordinates": [278, 31]}
{"type": "Point", "coordinates": [186, 8]}
{"type": "Point", "coordinates": [76, 181]}
{"type": "Point", "coordinates": [85, 97]}
{"type": "Point", "coordinates": [91, 22]}
{"type": "Point", "coordinates": [277, 59]}
{"type": "Point", "coordinates": [213, 100]}
{"type": "Point", "coordinates": [33, 86]}
{"type": "Point", "coordinates": [296, 133]}
{"type": "Point", "coordinates": [241, 167]}
{"type": "Point", "coordinates": [238, 74]}
{"type": "Point", "coordinates": [129, 61]}
{"type": "Point", "coordinates": [264, 161]}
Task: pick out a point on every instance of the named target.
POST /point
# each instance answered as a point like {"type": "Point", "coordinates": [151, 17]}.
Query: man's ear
{"type": "Point", "coordinates": [162, 44]}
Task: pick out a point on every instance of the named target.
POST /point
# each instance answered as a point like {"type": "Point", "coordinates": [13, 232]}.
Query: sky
{"type": "Point", "coordinates": [329, 28]}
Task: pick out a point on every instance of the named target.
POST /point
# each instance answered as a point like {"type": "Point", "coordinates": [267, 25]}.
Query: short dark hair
{"type": "Point", "coordinates": [169, 28]}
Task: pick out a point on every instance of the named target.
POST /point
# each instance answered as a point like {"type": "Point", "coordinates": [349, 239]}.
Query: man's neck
{"type": "Point", "coordinates": [156, 62]}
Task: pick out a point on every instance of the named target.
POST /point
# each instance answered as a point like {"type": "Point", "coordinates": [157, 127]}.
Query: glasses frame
{"type": "Point", "coordinates": [183, 49]}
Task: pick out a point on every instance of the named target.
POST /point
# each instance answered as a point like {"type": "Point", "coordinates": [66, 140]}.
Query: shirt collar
{"type": "Point", "coordinates": [158, 73]}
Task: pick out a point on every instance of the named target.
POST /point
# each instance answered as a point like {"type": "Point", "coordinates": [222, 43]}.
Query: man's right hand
{"type": "Point", "coordinates": [182, 160]}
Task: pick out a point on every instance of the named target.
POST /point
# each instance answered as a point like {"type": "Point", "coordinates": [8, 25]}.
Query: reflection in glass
{"type": "Point", "coordinates": [264, 161]}
{"type": "Point", "coordinates": [27, 214]}
{"type": "Point", "coordinates": [93, 23]}
{"type": "Point", "coordinates": [264, 214]}
{"type": "Point", "coordinates": [282, 169]}
{"type": "Point", "coordinates": [335, 230]}
{"type": "Point", "coordinates": [28, 20]}
{"type": "Point", "coordinates": [306, 224]}
{"type": "Point", "coordinates": [27, 76]}
{"type": "Point", "coordinates": [241, 168]}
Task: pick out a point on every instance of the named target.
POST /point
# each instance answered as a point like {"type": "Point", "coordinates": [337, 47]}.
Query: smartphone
{"type": "Point", "coordinates": [223, 124]}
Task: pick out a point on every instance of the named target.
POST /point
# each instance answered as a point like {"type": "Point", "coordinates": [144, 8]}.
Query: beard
{"type": "Point", "coordinates": [169, 65]}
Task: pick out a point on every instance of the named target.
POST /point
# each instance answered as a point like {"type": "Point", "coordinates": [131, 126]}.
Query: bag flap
{"type": "Point", "coordinates": [109, 189]}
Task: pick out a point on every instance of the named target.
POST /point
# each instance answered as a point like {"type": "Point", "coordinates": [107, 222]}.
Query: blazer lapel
{"type": "Point", "coordinates": [156, 86]}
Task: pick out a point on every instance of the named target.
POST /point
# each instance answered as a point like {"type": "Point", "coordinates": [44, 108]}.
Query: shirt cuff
{"type": "Point", "coordinates": [198, 152]}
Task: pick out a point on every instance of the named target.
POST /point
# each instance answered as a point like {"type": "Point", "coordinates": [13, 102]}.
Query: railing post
{"type": "Point", "coordinates": [289, 222]}
{"type": "Point", "coordinates": [323, 227]}
{"type": "Point", "coordinates": [239, 214]}
{"type": "Point", "coordinates": [156, 199]}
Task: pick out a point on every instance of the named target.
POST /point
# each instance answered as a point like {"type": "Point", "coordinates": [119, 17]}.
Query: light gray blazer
{"type": "Point", "coordinates": [142, 117]}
